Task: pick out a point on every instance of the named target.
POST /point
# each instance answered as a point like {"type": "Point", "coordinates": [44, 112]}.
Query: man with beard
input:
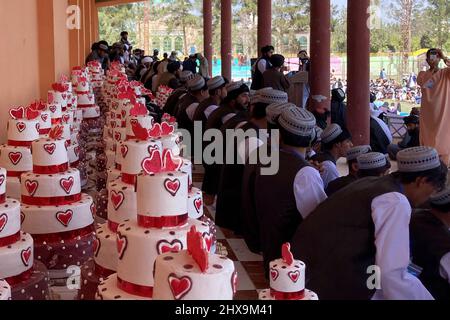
{"type": "Point", "coordinates": [411, 139]}
{"type": "Point", "coordinates": [173, 99]}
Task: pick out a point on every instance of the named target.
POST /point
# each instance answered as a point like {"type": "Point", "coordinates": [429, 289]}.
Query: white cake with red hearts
{"type": "Point", "coordinates": [116, 171]}
{"type": "Point", "coordinates": [55, 112]}
{"type": "Point", "coordinates": [145, 121]}
{"type": "Point", "coordinates": [73, 152]}
{"type": "Point", "coordinates": [45, 122]}
{"type": "Point", "coordinates": [59, 98]}
{"type": "Point", "coordinates": [5, 290]}
{"type": "Point", "coordinates": [194, 273]}
{"type": "Point", "coordinates": [91, 112]}
{"type": "Point", "coordinates": [16, 247]}
{"type": "Point", "coordinates": [287, 279]}
{"type": "Point", "coordinates": [22, 131]}
{"type": "Point", "coordinates": [161, 226]}
{"type": "Point", "coordinates": [134, 152]}
{"type": "Point", "coordinates": [195, 203]}
{"type": "Point", "coordinates": [121, 203]}
{"type": "Point", "coordinates": [86, 100]}
{"type": "Point", "coordinates": [119, 134]}
{"type": "Point", "coordinates": [54, 210]}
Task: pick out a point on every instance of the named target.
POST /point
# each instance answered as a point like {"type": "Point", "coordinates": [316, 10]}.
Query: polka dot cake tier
{"type": "Point", "coordinates": [287, 279]}
{"type": "Point", "coordinates": [161, 226]}
{"type": "Point", "coordinates": [16, 250]}
{"type": "Point", "coordinates": [54, 210]}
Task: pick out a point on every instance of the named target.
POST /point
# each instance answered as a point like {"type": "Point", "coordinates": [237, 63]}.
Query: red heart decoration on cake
{"type": "Point", "coordinates": [64, 96]}
{"type": "Point", "coordinates": [96, 246]}
{"type": "Point", "coordinates": [197, 248]}
{"type": "Point", "coordinates": [113, 124]}
{"type": "Point", "coordinates": [171, 163]}
{"type": "Point", "coordinates": [117, 199]}
{"type": "Point", "coordinates": [208, 240]}
{"type": "Point", "coordinates": [66, 118]}
{"type": "Point", "coordinates": [31, 114]}
{"type": "Point", "coordinates": [52, 109]}
{"type": "Point", "coordinates": [167, 129]}
{"type": "Point", "coordinates": [165, 246]}
{"type": "Point", "coordinates": [122, 244]}
{"type": "Point", "coordinates": [134, 122]}
{"type": "Point", "coordinates": [3, 221]}
{"type": "Point", "coordinates": [124, 151]}
{"type": "Point", "coordinates": [152, 164]}
{"type": "Point", "coordinates": [2, 179]}
{"type": "Point", "coordinates": [198, 203]}
{"type": "Point", "coordinates": [38, 127]}
{"type": "Point", "coordinates": [50, 148]}
{"type": "Point", "coordinates": [15, 157]}
{"type": "Point", "coordinates": [44, 117]}
{"type": "Point", "coordinates": [124, 114]}
{"type": "Point", "coordinates": [156, 131]}
{"type": "Point", "coordinates": [294, 275]}
{"type": "Point", "coordinates": [234, 282]}
{"type": "Point", "coordinates": [67, 184]}
{"type": "Point", "coordinates": [140, 132]}
{"type": "Point", "coordinates": [21, 126]}
{"type": "Point", "coordinates": [64, 217]}
{"type": "Point", "coordinates": [274, 274]}
{"type": "Point", "coordinates": [172, 186]}
{"type": "Point", "coordinates": [31, 187]}
{"type": "Point", "coordinates": [26, 255]}
{"type": "Point", "coordinates": [180, 287]}
{"type": "Point", "coordinates": [77, 151]}
{"type": "Point", "coordinates": [117, 136]}
{"type": "Point", "coordinates": [17, 113]}
{"type": "Point", "coordinates": [139, 109]}
{"type": "Point", "coordinates": [286, 254]}
{"type": "Point", "coordinates": [22, 217]}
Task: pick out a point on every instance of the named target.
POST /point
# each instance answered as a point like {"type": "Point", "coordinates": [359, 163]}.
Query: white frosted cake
{"type": "Point", "coordinates": [194, 274]}
{"type": "Point", "coordinates": [287, 279]}
{"type": "Point", "coordinates": [5, 291]}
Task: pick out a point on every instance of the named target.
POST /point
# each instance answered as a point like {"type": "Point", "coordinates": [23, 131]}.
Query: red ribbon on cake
{"type": "Point", "coordinates": [128, 137]}
{"type": "Point", "coordinates": [6, 241]}
{"type": "Point", "coordinates": [129, 178]}
{"type": "Point", "coordinates": [15, 143]}
{"type": "Point", "coordinates": [15, 174]}
{"type": "Point", "coordinates": [83, 106]}
{"type": "Point", "coordinates": [162, 222]}
{"type": "Point", "coordinates": [60, 168]}
{"type": "Point", "coordinates": [44, 131]}
{"type": "Point", "coordinates": [66, 236]}
{"type": "Point", "coordinates": [102, 272]}
{"type": "Point", "coordinates": [2, 198]}
{"type": "Point", "coordinates": [83, 92]}
{"type": "Point", "coordinates": [51, 201]}
{"type": "Point", "coordinates": [287, 295]}
{"type": "Point", "coordinates": [24, 276]}
{"type": "Point", "coordinates": [135, 289]}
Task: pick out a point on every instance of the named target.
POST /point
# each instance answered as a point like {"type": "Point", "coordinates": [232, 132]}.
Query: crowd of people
{"type": "Point", "coordinates": [340, 227]}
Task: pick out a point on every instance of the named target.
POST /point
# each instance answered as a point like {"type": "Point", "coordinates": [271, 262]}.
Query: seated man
{"type": "Point", "coordinates": [284, 200]}
{"type": "Point", "coordinates": [430, 244]}
{"type": "Point", "coordinates": [352, 163]}
{"type": "Point", "coordinates": [411, 138]}
{"type": "Point", "coordinates": [356, 243]}
{"type": "Point", "coordinates": [335, 144]}
{"type": "Point", "coordinates": [373, 164]}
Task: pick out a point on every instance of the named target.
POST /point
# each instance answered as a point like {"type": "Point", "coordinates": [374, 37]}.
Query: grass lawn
{"type": "Point", "coordinates": [406, 106]}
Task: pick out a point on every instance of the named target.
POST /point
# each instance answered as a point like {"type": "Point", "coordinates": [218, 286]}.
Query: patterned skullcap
{"type": "Point", "coordinates": [215, 83]}
{"type": "Point", "coordinates": [274, 110]}
{"type": "Point", "coordinates": [186, 75]}
{"type": "Point", "coordinates": [332, 132]}
{"type": "Point", "coordinates": [297, 121]}
{"type": "Point", "coordinates": [418, 159]}
{"type": "Point", "coordinates": [269, 96]}
{"type": "Point", "coordinates": [441, 199]}
{"type": "Point", "coordinates": [357, 151]}
{"type": "Point", "coordinates": [196, 83]}
{"type": "Point", "coordinates": [371, 160]}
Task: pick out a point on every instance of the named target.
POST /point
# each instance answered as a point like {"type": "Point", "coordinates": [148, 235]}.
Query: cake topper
{"type": "Point", "coordinates": [286, 254]}
{"type": "Point", "coordinates": [139, 132]}
{"type": "Point", "coordinates": [196, 247]}
{"type": "Point", "coordinates": [139, 109]}
{"type": "Point", "coordinates": [38, 105]}
{"type": "Point", "coordinates": [157, 163]}
{"type": "Point", "coordinates": [127, 93]}
{"type": "Point", "coordinates": [168, 118]}
{"type": "Point", "coordinates": [63, 78]}
{"type": "Point", "coordinates": [56, 132]}
{"type": "Point", "coordinates": [60, 87]}
{"type": "Point", "coordinates": [23, 113]}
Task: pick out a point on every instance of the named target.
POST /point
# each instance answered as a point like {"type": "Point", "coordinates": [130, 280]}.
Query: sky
{"type": "Point", "coordinates": [339, 2]}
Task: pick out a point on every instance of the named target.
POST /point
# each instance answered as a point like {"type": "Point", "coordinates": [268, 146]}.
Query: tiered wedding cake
{"type": "Point", "coordinates": [16, 254]}
{"type": "Point", "coordinates": [194, 274]}
{"type": "Point", "coordinates": [287, 279]}
{"type": "Point", "coordinates": [55, 212]}
{"type": "Point", "coordinates": [15, 156]}
{"type": "Point", "coordinates": [162, 219]}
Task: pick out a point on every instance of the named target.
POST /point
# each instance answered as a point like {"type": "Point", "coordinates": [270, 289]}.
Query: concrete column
{"type": "Point", "coordinates": [226, 47]}
{"type": "Point", "coordinates": [207, 33]}
{"type": "Point", "coordinates": [264, 23]}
